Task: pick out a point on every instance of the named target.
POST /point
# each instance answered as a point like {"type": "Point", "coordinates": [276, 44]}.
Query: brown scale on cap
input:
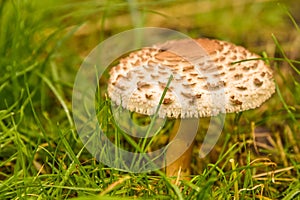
{"type": "Point", "coordinates": [142, 85]}
{"type": "Point", "coordinates": [235, 101]}
{"type": "Point", "coordinates": [257, 82]}
{"type": "Point", "coordinates": [148, 96]}
{"type": "Point", "coordinates": [238, 76]}
{"type": "Point", "coordinates": [209, 77]}
{"type": "Point", "coordinates": [241, 87]}
{"type": "Point", "coordinates": [167, 101]}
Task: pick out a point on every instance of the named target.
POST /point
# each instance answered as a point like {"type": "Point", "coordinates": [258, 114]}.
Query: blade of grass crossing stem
{"type": "Point", "coordinates": [144, 142]}
{"type": "Point", "coordinates": [157, 109]}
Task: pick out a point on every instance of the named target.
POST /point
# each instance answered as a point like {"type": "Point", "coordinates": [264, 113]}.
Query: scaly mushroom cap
{"type": "Point", "coordinates": [209, 77]}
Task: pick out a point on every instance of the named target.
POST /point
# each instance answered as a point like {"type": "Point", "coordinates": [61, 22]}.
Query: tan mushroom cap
{"type": "Point", "coordinates": [208, 79]}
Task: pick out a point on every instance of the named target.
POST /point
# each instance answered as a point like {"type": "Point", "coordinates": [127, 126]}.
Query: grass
{"type": "Point", "coordinates": [42, 44]}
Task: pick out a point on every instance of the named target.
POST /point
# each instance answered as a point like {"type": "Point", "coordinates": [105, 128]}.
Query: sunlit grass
{"type": "Point", "coordinates": [42, 44]}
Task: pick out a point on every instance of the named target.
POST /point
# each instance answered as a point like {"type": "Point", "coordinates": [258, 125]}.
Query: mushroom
{"type": "Point", "coordinates": [209, 77]}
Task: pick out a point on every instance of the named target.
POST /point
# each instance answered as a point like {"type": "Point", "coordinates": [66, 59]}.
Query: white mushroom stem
{"type": "Point", "coordinates": [181, 138]}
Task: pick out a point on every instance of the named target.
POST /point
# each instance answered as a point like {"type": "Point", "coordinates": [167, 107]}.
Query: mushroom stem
{"type": "Point", "coordinates": [181, 137]}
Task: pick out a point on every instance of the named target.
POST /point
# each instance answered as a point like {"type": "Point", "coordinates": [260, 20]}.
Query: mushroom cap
{"type": "Point", "coordinates": [209, 77]}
